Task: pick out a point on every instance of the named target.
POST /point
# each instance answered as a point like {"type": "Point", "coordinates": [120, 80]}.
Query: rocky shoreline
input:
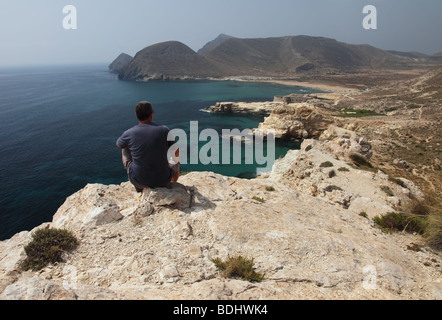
{"type": "Point", "coordinates": [292, 117]}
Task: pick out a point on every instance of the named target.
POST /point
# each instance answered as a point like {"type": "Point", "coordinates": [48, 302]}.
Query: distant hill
{"type": "Point", "coordinates": [117, 65]}
{"type": "Point", "coordinates": [214, 43]}
{"type": "Point", "coordinates": [420, 56]}
{"type": "Point", "coordinates": [285, 56]}
{"type": "Point", "coordinates": [167, 61]}
{"type": "Point", "coordinates": [289, 56]}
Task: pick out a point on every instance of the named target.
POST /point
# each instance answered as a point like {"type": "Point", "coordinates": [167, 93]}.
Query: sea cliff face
{"type": "Point", "coordinates": [308, 238]}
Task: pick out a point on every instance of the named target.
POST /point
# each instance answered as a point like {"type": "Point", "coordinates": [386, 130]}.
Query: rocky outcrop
{"type": "Point", "coordinates": [324, 170]}
{"type": "Point", "coordinates": [291, 117]}
{"type": "Point", "coordinates": [258, 108]}
{"type": "Point", "coordinates": [307, 237]}
{"type": "Point", "coordinates": [295, 121]}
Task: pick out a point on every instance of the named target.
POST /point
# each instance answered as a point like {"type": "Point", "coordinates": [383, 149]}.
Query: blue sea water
{"type": "Point", "coordinates": [59, 125]}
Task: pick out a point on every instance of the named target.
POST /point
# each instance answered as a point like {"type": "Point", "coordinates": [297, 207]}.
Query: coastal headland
{"type": "Point", "coordinates": [310, 225]}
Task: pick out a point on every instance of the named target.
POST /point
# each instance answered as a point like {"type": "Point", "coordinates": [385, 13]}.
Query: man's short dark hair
{"type": "Point", "coordinates": [143, 110]}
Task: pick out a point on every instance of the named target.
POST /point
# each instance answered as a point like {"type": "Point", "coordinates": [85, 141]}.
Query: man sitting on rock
{"type": "Point", "coordinates": [144, 152]}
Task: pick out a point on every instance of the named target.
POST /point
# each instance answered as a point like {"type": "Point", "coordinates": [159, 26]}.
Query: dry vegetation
{"type": "Point", "coordinates": [406, 136]}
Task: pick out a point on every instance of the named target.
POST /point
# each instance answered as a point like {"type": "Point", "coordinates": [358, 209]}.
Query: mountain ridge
{"type": "Point", "coordinates": [212, 44]}
{"type": "Point", "coordinates": [284, 57]}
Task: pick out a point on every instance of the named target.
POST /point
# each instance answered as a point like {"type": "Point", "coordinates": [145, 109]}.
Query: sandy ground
{"type": "Point", "coordinates": [316, 85]}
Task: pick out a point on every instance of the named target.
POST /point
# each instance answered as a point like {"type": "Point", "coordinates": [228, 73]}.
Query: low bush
{"type": "Point", "coordinates": [361, 162]}
{"type": "Point", "coordinates": [418, 207]}
{"type": "Point", "coordinates": [330, 188]}
{"type": "Point", "coordinates": [398, 181]}
{"type": "Point", "coordinates": [401, 222]}
{"type": "Point", "coordinates": [326, 164]}
{"type": "Point", "coordinates": [47, 246]}
{"type": "Point", "coordinates": [433, 233]}
{"type": "Point", "coordinates": [363, 214]}
{"type": "Point", "coordinates": [431, 210]}
{"type": "Point", "coordinates": [259, 199]}
{"type": "Point", "coordinates": [238, 267]}
{"type": "Point", "coordinates": [387, 191]}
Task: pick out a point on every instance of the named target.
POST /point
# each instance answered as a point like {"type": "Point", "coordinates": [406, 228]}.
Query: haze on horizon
{"type": "Point", "coordinates": [32, 33]}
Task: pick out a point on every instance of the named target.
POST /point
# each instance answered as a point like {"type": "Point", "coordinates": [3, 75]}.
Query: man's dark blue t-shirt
{"type": "Point", "coordinates": [148, 146]}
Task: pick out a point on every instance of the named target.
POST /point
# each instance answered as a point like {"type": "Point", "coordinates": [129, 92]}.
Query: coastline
{"type": "Point", "coordinates": [328, 88]}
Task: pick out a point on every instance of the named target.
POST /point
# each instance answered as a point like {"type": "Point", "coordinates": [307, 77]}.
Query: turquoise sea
{"type": "Point", "coordinates": [59, 124]}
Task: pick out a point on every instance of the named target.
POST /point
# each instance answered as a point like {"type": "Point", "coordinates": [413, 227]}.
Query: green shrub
{"type": "Point", "coordinates": [238, 267]}
{"type": "Point", "coordinates": [419, 208]}
{"type": "Point", "coordinates": [343, 169]}
{"type": "Point", "coordinates": [308, 148]}
{"type": "Point", "coordinates": [47, 246]}
{"type": "Point", "coordinates": [387, 190]}
{"type": "Point", "coordinates": [270, 188]}
{"type": "Point", "coordinates": [361, 162]}
{"type": "Point", "coordinates": [259, 199]}
{"type": "Point", "coordinates": [433, 232]}
{"type": "Point", "coordinates": [431, 210]}
{"type": "Point", "coordinates": [401, 222]}
{"type": "Point", "coordinates": [326, 164]}
{"type": "Point", "coordinates": [363, 214]}
{"type": "Point", "coordinates": [398, 181]}
{"type": "Point", "coordinates": [389, 109]}
{"type": "Point", "coordinates": [423, 217]}
{"type": "Point", "coordinates": [330, 188]}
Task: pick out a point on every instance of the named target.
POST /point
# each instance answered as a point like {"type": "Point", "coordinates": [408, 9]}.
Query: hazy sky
{"type": "Point", "coordinates": [32, 32]}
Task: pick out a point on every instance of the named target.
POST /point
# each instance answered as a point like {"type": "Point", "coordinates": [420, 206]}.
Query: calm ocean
{"type": "Point", "coordinates": [58, 127]}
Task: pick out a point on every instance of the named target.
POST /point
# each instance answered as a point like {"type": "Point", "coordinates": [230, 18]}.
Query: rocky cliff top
{"type": "Point", "coordinates": [302, 226]}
